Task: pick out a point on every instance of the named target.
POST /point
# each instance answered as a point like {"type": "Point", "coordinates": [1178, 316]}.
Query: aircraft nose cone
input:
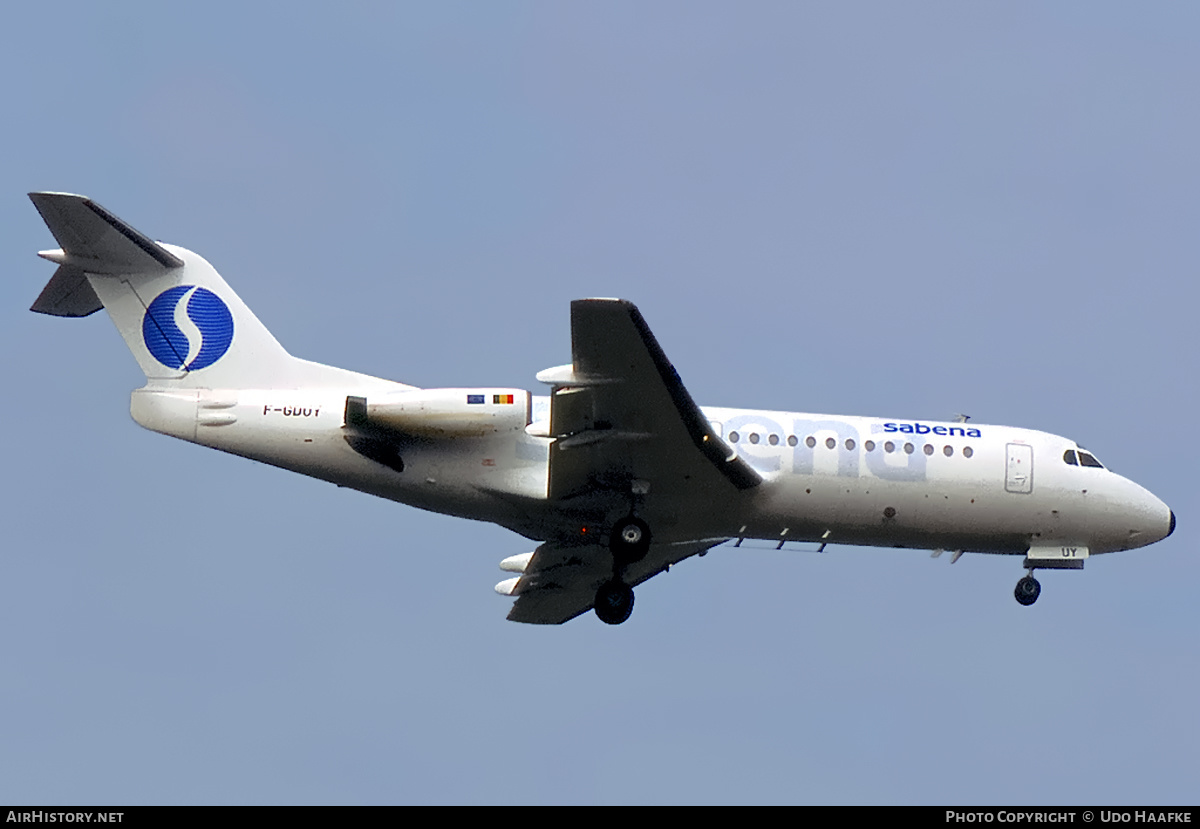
{"type": "Point", "coordinates": [1148, 519]}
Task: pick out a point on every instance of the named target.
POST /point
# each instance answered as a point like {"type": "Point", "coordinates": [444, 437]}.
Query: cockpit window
{"type": "Point", "coordinates": [1081, 457]}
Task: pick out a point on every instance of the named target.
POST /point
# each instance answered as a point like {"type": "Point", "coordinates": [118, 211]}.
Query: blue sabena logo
{"type": "Point", "coordinates": [187, 327]}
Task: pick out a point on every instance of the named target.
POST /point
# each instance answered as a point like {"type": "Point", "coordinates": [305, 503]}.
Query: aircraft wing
{"type": "Point", "coordinates": [560, 581]}
{"type": "Point", "coordinates": [622, 419]}
{"type": "Point", "coordinates": [625, 429]}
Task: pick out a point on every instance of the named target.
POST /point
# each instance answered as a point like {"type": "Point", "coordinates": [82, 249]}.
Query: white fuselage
{"type": "Point", "coordinates": [826, 478]}
{"type": "Point", "coordinates": [618, 472]}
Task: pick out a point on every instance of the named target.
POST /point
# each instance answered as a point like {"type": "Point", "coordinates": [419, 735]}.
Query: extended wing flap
{"type": "Point", "coordinates": [560, 582]}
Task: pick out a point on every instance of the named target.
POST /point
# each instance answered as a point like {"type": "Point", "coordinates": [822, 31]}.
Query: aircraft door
{"type": "Point", "coordinates": [1018, 477]}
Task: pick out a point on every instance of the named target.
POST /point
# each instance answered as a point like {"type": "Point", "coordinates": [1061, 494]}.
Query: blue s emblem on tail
{"type": "Point", "coordinates": [187, 327]}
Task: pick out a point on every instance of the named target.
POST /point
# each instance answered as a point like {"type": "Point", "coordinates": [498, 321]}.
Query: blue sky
{"type": "Point", "coordinates": [908, 210]}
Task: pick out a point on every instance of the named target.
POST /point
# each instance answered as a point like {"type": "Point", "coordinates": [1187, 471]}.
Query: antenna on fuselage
{"type": "Point", "coordinates": [961, 418]}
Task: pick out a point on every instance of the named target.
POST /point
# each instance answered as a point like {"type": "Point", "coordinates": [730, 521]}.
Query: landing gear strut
{"type": "Point", "coordinates": [629, 542]}
{"type": "Point", "coordinates": [614, 602]}
{"type": "Point", "coordinates": [1028, 590]}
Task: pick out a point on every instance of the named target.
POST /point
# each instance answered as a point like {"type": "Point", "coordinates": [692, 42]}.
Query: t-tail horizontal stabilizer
{"type": "Point", "coordinates": [95, 240]}
{"type": "Point", "coordinates": [67, 294]}
{"type": "Point", "coordinates": [92, 241]}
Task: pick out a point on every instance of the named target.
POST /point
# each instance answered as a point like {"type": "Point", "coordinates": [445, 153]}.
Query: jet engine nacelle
{"type": "Point", "coordinates": [440, 413]}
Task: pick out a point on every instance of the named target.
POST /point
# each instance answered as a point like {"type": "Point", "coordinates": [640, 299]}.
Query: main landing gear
{"type": "Point", "coordinates": [629, 542]}
{"type": "Point", "coordinates": [1028, 589]}
{"type": "Point", "coordinates": [614, 601]}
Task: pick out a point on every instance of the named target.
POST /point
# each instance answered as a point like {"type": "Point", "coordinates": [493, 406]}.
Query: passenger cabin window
{"type": "Point", "coordinates": [1069, 458]}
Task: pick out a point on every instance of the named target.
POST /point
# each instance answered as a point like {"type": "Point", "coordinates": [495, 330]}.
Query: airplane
{"type": "Point", "coordinates": [617, 473]}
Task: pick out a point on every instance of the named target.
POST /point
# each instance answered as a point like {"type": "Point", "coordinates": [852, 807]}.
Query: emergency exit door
{"type": "Point", "coordinates": [1019, 476]}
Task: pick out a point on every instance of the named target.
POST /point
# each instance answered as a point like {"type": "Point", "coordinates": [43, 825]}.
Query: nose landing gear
{"type": "Point", "coordinates": [1028, 589]}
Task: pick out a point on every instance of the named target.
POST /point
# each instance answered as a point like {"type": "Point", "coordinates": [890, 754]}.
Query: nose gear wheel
{"type": "Point", "coordinates": [1027, 591]}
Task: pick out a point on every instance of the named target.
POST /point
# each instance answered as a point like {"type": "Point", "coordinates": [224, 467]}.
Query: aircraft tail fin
{"type": "Point", "coordinates": [184, 325]}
